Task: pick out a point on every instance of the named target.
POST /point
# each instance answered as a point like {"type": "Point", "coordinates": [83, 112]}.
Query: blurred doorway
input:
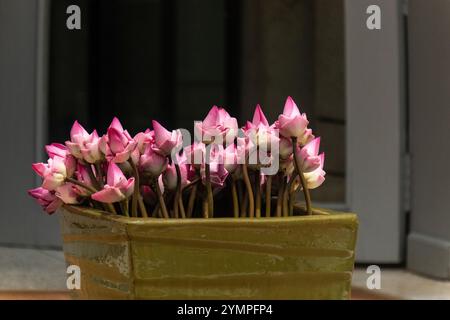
{"type": "Point", "coordinates": [174, 59]}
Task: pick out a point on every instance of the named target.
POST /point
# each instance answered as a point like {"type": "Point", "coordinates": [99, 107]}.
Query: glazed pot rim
{"type": "Point", "coordinates": [319, 214]}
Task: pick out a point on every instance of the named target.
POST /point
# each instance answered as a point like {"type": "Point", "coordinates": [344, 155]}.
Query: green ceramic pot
{"type": "Point", "coordinates": [300, 257]}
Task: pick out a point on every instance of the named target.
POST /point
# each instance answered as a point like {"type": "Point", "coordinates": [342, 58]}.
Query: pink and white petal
{"type": "Point", "coordinates": [259, 117]}
{"type": "Point", "coordinates": [78, 133]}
{"type": "Point", "coordinates": [211, 118]}
{"type": "Point", "coordinates": [114, 175]}
{"type": "Point", "coordinates": [51, 182]}
{"type": "Point", "coordinates": [53, 206]}
{"type": "Point", "coordinates": [108, 195]}
{"type": "Point", "coordinates": [290, 108]}
{"type": "Point", "coordinates": [40, 168]}
{"type": "Point", "coordinates": [115, 123]}
{"type": "Point", "coordinates": [117, 141]}
{"type": "Point", "coordinates": [67, 193]}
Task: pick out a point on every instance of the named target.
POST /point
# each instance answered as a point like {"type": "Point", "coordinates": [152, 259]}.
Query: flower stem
{"type": "Point", "coordinates": [142, 207]}
{"type": "Point", "coordinates": [205, 208]}
{"type": "Point", "coordinates": [156, 210]}
{"type": "Point", "coordinates": [268, 195]}
{"type": "Point", "coordinates": [191, 184]}
{"type": "Point", "coordinates": [134, 199]}
{"type": "Point", "coordinates": [285, 201]}
{"type": "Point", "coordinates": [280, 194]}
{"type": "Point", "coordinates": [244, 205]}
{"type": "Point", "coordinates": [258, 194]}
{"type": "Point", "coordinates": [178, 201]}
{"type": "Point", "coordinates": [292, 194]}
{"type": "Point", "coordinates": [92, 177]}
{"type": "Point", "coordinates": [81, 184]}
{"type": "Point", "coordinates": [124, 207]}
{"type": "Point", "coordinates": [209, 190]}
{"type": "Point", "coordinates": [98, 169]}
{"type": "Point", "coordinates": [191, 201]}
{"type": "Point", "coordinates": [251, 202]}
{"type": "Point", "coordinates": [162, 204]}
{"type": "Point", "coordinates": [235, 198]}
{"type": "Point", "coordinates": [302, 178]}
{"type": "Point", "coordinates": [108, 206]}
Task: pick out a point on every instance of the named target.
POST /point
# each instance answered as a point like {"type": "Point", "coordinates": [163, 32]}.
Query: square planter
{"type": "Point", "coordinates": [300, 257]}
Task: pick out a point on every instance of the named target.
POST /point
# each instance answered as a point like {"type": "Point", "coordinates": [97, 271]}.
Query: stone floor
{"type": "Point", "coordinates": [40, 274]}
{"type": "Point", "coordinates": [31, 269]}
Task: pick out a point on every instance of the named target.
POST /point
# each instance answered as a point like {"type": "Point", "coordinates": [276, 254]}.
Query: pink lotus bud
{"type": "Point", "coordinates": [165, 141]}
{"type": "Point", "coordinates": [259, 131]}
{"type": "Point", "coordinates": [195, 154]}
{"type": "Point", "coordinates": [59, 150]}
{"type": "Point", "coordinates": [152, 163]}
{"type": "Point", "coordinates": [117, 144]}
{"type": "Point", "coordinates": [230, 158]}
{"type": "Point", "coordinates": [291, 123]}
{"type": "Point", "coordinates": [287, 165]}
{"type": "Point", "coordinates": [67, 193]}
{"type": "Point", "coordinates": [309, 155]}
{"type": "Point", "coordinates": [83, 176]}
{"type": "Point", "coordinates": [285, 148]}
{"type": "Point", "coordinates": [118, 188]}
{"type": "Point", "coordinates": [47, 199]}
{"type": "Point", "coordinates": [169, 176]}
{"type": "Point", "coordinates": [143, 139]}
{"type": "Point", "coordinates": [83, 145]}
{"type": "Point", "coordinates": [315, 178]}
{"type": "Point", "coordinates": [218, 173]}
{"type": "Point", "coordinates": [307, 137]}
{"type": "Point", "coordinates": [218, 126]}
{"type": "Point", "coordinates": [54, 172]}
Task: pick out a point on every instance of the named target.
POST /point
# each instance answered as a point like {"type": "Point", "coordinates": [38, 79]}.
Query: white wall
{"type": "Point", "coordinates": [429, 69]}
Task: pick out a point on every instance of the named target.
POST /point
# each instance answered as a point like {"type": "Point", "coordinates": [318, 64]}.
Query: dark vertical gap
{"type": "Point", "coordinates": [312, 7]}
{"type": "Point", "coordinates": [406, 124]}
{"type": "Point", "coordinates": [93, 22]}
{"type": "Point", "coordinates": [169, 59]}
{"type": "Point", "coordinates": [233, 55]}
{"type": "Point", "coordinates": [406, 73]}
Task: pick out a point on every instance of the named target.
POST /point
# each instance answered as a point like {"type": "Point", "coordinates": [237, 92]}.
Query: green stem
{"type": "Point", "coordinates": [81, 184]}
{"type": "Point", "coordinates": [124, 207]}
{"type": "Point", "coordinates": [178, 206]}
{"type": "Point", "coordinates": [92, 177]}
{"type": "Point", "coordinates": [98, 169]}
{"type": "Point", "coordinates": [292, 194]}
{"type": "Point", "coordinates": [191, 184]}
{"type": "Point", "coordinates": [244, 205]}
{"type": "Point", "coordinates": [162, 204]}
{"type": "Point", "coordinates": [156, 210]}
{"type": "Point", "coordinates": [280, 194]}
{"type": "Point", "coordinates": [251, 201]}
{"type": "Point", "coordinates": [205, 208]}
{"type": "Point", "coordinates": [258, 194]}
{"type": "Point", "coordinates": [182, 210]}
{"type": "Point", "coordinates": [285, 201]}
{"type": "Point", "coordinates": [209, 190]}
{"type": "Point", "coordinates": [108, 206]}
{"type": "Point", "coordinates": [268, 195]}
{"type": "Point", "coordinates": [235, 198]}
{"type": "Point", "coordinates": [191, 201]}
{"type": "Point", "coordinates": [142, 207]}
{"type": "Point", "coordinates": [302, 178]}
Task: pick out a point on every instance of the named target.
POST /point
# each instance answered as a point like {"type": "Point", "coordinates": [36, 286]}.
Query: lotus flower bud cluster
{"type": "Point", "coordinates": [161, 173]}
